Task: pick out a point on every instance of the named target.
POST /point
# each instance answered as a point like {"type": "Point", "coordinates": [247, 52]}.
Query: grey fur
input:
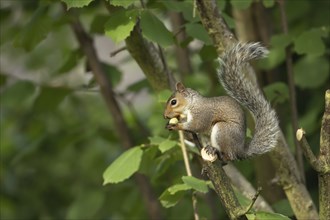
{"type": "Point", "coordinates": [240, 88]}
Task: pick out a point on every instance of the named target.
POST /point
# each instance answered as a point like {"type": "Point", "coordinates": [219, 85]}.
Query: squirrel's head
{"type": "Point", "coordinates": [178, 101]}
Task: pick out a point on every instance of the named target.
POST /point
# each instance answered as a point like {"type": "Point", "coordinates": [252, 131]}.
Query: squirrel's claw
{"type": "Point", "coordinates": [171, 126]}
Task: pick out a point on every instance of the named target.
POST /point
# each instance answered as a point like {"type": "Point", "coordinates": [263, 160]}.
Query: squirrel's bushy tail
{"type": "Point", "coordinates": [233, 80]}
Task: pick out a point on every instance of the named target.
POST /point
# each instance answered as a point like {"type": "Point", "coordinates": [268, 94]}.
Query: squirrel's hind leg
{"type": "Point", "coordinates": [226, 139]}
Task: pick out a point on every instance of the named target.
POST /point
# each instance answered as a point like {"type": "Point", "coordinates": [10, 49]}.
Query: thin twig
{"type": "Point", "coordinates": [301, 138]}
{"type": "Point", "coordinates": [184, 153]}
{"type": "Point", "coordinates": [292, 91]}
{"type": "Point", "coordinates": [115, 52]}
{"type": "Point", "coordinates": [253, 200]}
{"type": "Point", "coordinates": [166, 69]}
{"type": "Point", "coordinates": [188, 170]}
{"type": "Point", "coordinates": [194, 9]}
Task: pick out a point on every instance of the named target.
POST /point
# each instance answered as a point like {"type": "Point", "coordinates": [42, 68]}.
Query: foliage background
{"type": "Point", "coordinates": [57, 136]}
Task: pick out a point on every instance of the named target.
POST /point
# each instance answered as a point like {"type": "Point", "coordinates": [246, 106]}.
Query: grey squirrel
{"type": "Point", "coordinates": [222, 118]}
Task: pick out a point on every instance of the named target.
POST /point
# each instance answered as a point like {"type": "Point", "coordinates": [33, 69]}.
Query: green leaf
{"type": "Point", "coordinates": [168, 200]}
{"type": "Point", "coordinates": [36, 30]}
{"type": "Point", "coordinates": [208, 53]}
{"type": "Point", "coordinates": [277, 53]}
{"type": "Point", "coordinates": [178, 187]}
{"type": "Point", "coordinates": [164, 95]}
{"type": "Point", "coordinates": [277, 92]}
{"type": "Point", "coordinates": [120, 24]}
{"type": "Point", "coordinates": [310, 42]}
{"type": "Point", "coordinates": [139, 85]}
{"type": "Point", "coordinates": [283, 206]}
{"type": "Point", "coordinates": [229, 20]}
{"type": "Point", "coordinates": [311, 71]}
{"type": "Point", "coordinates": [123, 3]}
{"type": "Point", "coordinates": [98, 23]}
{"type": "Point", "coordinates": [275, 57]}
{"type": "Point", "coordinates": [16, 94]}
{"type": "Point", "coordinates": [149, 164]}
{"type": "Point", "coordinates": [166, 145]}
{"type": "Point", "coordinates": [268, 3]}
{"type": "Point", "coordinates": [71, 62]}
{"type": "Point", "coordinates": [266, 215]}
{"type": "Point", "coordinates": [3, 79]}
{"type": "Point", "coordinates": [124, 166]}
{"type": "Point", "coordinates": [88, 200]}
{"type": "Point", "coordinates": [197, 31]}
{"type": "Point", "coordinates": [184, 7]}
{"type": "Point", "coordinates": [221, 4]}
{"type": "Point", "coordinates": [239, 4]}
{"type": "Point", "coordinates": [281, 40]}
{"type": "Point", "coordinates": [156, 140]}
{"type": "Point", "coordinates": [197, 184]}
{"type": "Point", "coordinates": [154, 29]}
{"type": "Point", "coordinates": [49, 98]}
{"type": "Point", "coordinates": [76, 3]}
{"type": "Point", "coordinates": [113, 74]}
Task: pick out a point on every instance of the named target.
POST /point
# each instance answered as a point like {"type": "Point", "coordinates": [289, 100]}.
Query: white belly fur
{"type": "Point", "coordinates": [214, 136]}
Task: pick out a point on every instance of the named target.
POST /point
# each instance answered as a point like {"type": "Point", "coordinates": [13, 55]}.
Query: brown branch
{"type": "Point", "coordinates": [322, 163]}
{"type": "Point", "coordinates": [222, 185]}
{"type": "Point", "coordinates": [215, 25]}
{"type": "Point", "coordinates": [286, 167]}
{"type": "Point", "coordinates": [114, 53]}
{"type": "Point", "coordinates": [147, 57]}
{"type": "Point", "coordinates": [181, 54]}
{"type": "Point", "coordinates": [87, 45]}
{"type": "Point", "coordinates": [324, 158]}
{"type": "Point", "coordinates": [224, 189]}
{"type": "Point", "coordinates": [292, 90]}
{"type": "Point", "coordinates": [301, 138]}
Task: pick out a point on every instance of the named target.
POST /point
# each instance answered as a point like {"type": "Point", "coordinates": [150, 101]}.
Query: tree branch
{"type": "Point", "coordinates": [222, 185]}
{"type": "Point", "coordinates": [301, 138]}
{"type": "Point", "coordinates": [284, 163]}
{"type": "Point", "coordinates": [324, 158]}
{"type": "Point", "coordinates": [223, 188]}
{"type": "Point", "coordinates": [322, 163]}
{"type": "Point", "coordinates": [181, 53]}
{"type": "Point", "coordinates": [148, 58]}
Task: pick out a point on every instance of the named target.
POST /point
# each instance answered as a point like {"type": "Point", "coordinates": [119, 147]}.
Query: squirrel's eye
{"type": "Point", "coordinates": [173, 102]}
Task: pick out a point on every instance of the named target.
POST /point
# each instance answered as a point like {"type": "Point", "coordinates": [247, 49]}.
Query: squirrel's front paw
{"type": "Point", "coordinates": [172, 124]}
{"type": "Point", "coordinates": [172, 127]}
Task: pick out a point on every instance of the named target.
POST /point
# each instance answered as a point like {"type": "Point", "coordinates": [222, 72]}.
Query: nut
{"type": "Point", "coordinates": [173, 121]}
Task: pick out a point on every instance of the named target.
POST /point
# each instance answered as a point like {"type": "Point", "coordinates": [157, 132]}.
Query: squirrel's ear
{"type": "Point", "coordinates": [180, 87]}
